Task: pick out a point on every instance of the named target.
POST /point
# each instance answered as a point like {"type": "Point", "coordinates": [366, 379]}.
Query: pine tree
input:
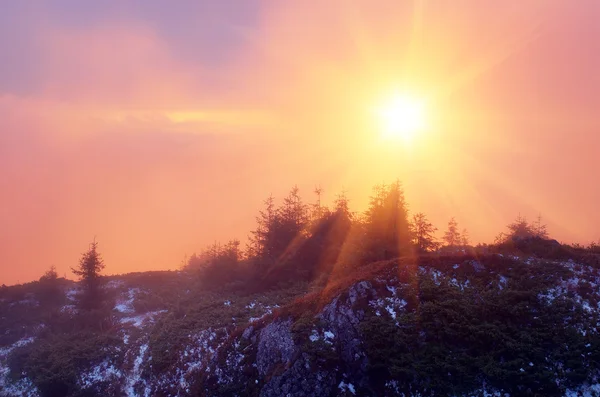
{"type": "Point", "coordinates": [464, 238]}
{"type": "Point", "coordinates": [423, 233]}
{"type": "Point", "coordinates": [520, 228]}
{"type": "Point", "coordinates": [342, 204]}
{"type": "Point", "coordinates": [49, 287]}
{"type": "Point", "coordinates": [540, 229]}
{"type": "Point", "coordinates": [294, 214]}
{"type": "Point", "coordinates": [88, 271]}
{"type": "Point", "coordinates": [50, 275]}
{"type": "Point", "coordinates": [260, 245]}
{"type": "Point", "coordinates": [317, 207]}
{"type": "Point", "coordinates": [386, 223]}
{"type": "Point", "coordinates": [452, 236]}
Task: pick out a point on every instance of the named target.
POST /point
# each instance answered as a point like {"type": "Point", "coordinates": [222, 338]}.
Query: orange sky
{"type": "Point", "coordinates": [160, 128]}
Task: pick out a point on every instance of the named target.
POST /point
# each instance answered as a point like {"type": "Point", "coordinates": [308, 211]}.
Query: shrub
{"type": "Point", "coordinates": [54, 363]}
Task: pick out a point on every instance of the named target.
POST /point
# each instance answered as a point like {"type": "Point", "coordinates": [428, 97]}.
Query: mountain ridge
{"type": "Point", "coordinates": [462, 325]}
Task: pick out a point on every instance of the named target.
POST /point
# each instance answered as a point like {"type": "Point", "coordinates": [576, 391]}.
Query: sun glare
{"type": "Point", "coordinates": [402, 117]}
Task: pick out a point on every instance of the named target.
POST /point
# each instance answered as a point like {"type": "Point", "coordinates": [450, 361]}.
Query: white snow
{"type": "Point", "coordinates": [139, 320]}
{"type": "Point", "coordinates": [72, 294]}
{"type": "Point", "coordinates": [344, 387]}
{"type": "Point", "coordinates": [114, 284]}
{"type": "Point", "coordinates": [136, 373]}
{"type": "Point", "coordinates": [585, 390]}
{"type": "Point", "coordinates": [71, 309]}
{"type": "Point", "coordinates": [391, 311]}
{"type": "Point", "coordinates": [392, 304]}
{"type": "Point", "coordinates": [23, 387]}
{"type": "Point", "coordinates": [570, 285]}
{"type": "Point", "coordinates": [454, 282]}
{"type": "Point", "coordinates": [267, 310]}
{"type": "Point", "coordinates": [102, 372]}
{"type": "Point", "coordinates": [502, 282]}
{"type": "Point", "coordinates": [314, 336]}
{"type": "Point", "coordinates": [436, 275]}
{"type": "Point", "coordinates": [126, 306]}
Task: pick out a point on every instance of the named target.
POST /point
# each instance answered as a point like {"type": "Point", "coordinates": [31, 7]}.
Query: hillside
{"type": "Point", "coordinates": [492, 324]}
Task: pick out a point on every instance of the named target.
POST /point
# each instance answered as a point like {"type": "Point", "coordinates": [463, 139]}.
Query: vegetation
{"type": "Point", "coordinates": [452, 236]}
{"type": "Point", "coordinates": [90, 266]}
{"type": "Point", "coordinates": [299, 258]}
{"type": "Point", "coordinates": [451, 339]}
{"type": "Point", "coordinates": [422, 231]}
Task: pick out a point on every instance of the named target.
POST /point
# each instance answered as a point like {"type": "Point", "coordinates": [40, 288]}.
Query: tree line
{"type": "Point", "coordinates": [303, 240]}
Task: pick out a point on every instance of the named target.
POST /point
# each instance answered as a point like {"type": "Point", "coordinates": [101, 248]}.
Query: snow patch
{"type": "Point", "coordinates": [391, 311]}
{"type": "Point", "coordinates": [585, 390]}
{"type": "Point", "coordinates": [314, 336]}
{"type": "Point", "coordinates": [347, 387]}
{"type": "Point", "coordinates": [126, 306]}
{"type": "Point", "coordinates": [102, 372]}
{"type": "Point", "coordinates": [140, 320]}
{"type": "Point", "coordinates": [22, 387]}
{"type": "Point", "coordinates": [136, 372]}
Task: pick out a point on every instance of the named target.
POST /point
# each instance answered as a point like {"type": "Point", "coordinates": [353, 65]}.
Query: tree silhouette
{"type": "Point", "coordinates": [452, 235]}
{"type": "Point", "coordinates": [342, 204]}
{"type": "Point", "coordinates": [464, 238]}
{"type": "Point", "coordinates": [217, 263]}
{"type": "Point", "coordinates": [317, 208]}
{"type": "Point", "coordinates": [50, 290]}
{"type": "Point", "coordinates": [540, 229]}
{"type": "Point", "coordinates": [387, 227]}
{"type": "Point", "coordinates": [88, 271]}
{"type": "Point", "coordinates": [423, 233]}
{"type": "Point", "coordinates": [278, 229]}
{"type": "Point", "coordinates": [520, 228]}
{"type": "Point", "coordinates": [293, 212]}
{"type": "Point", "coordinates": [261, 239]}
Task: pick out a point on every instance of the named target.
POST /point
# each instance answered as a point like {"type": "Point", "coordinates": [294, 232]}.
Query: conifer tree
{"type": "Point", "coordinates": [452, 235]}
{"type": "Point", "coordinates": [387, 227]}
{"type": "Point", "coordinates": [464, 238]}
{"type": "Point", "coordinates": [423, 233]}
{"type": "Point", "coordinates": [260, 245]}
{"type": "Point", "coordinates": [540, 229]}
{"type": "Point", "coordinates": [88, 271]}
{"type": "Point", "coordinates": [342, 204]}
{"type": "Point", "coordinates": [49, 287]}
{"type": "Point", "coordinates": [520, 228]}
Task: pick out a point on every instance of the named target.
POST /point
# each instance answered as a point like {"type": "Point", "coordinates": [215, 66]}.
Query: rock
{"type": "Point", "coordinates": [275, 346]}
{"type": "Point", "coordinates": [300, 380]}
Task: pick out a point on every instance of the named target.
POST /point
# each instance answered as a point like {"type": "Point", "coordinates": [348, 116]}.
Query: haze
{"type": "Point", "coordinates": [160, 127]}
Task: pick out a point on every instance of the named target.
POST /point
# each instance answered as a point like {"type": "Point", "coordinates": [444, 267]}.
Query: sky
{"type": "Point", "coordinates": [158, 127]}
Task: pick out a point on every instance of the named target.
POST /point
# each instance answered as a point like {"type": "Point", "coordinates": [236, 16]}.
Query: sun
{"type": "Point", "coordinates": [402, 117]}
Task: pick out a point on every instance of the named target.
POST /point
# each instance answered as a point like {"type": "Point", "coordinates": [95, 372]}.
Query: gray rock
{"type": "Point", "coordinates": [343, 319]}
{"type": "Point", "coordinates": [275, 346]}
{"type": "Point", "coordinates": [299, 381]}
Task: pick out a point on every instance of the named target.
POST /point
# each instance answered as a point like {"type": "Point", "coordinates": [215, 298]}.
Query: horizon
{"type": "Point", "coordinates": [159, 130]}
